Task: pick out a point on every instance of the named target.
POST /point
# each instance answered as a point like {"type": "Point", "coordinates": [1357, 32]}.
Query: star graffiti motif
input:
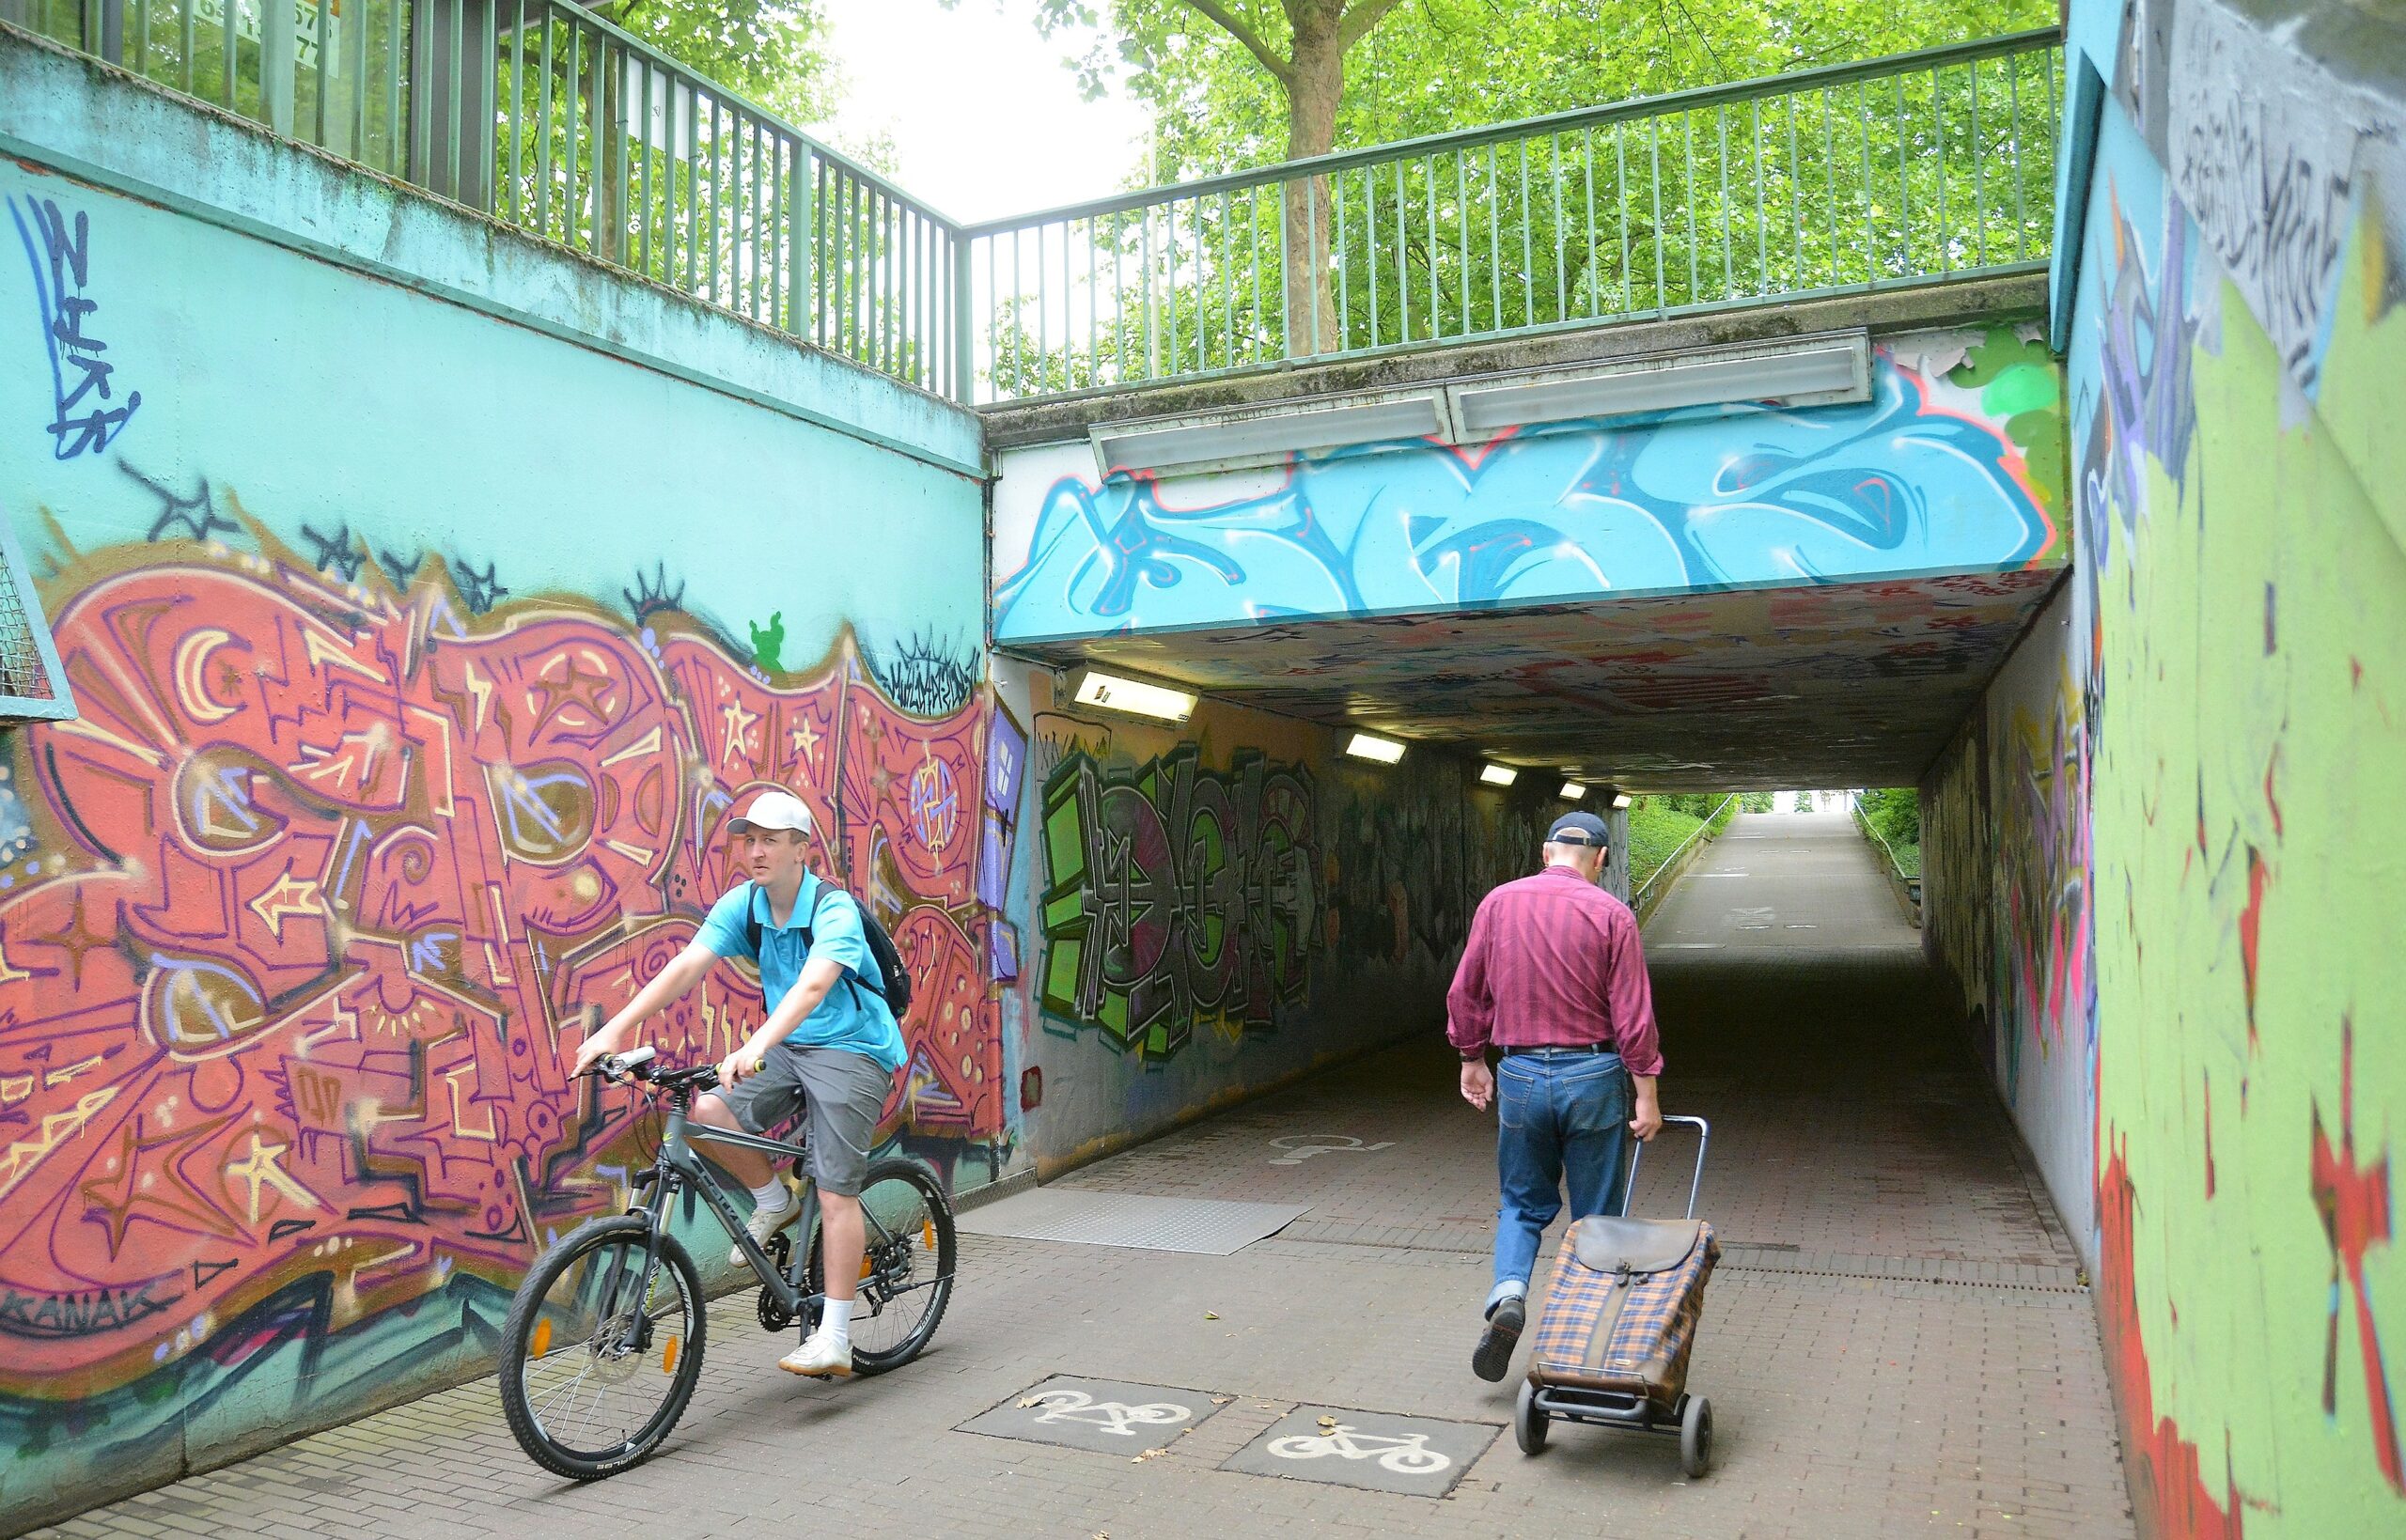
{"type": "Point", "coordinates": [262, 1167]}
{"type": "Point", "coordinates": [75, 939]}
{"type": "Point", "coordinates": [148, 1183]}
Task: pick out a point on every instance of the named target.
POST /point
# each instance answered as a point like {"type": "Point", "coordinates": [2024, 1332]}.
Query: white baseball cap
{"type": "Point", "coordinates": [773, 810]}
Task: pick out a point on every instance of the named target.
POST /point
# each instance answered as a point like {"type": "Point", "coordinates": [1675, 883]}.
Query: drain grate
{"type": "Point", "coordinates": [1207, 1226]}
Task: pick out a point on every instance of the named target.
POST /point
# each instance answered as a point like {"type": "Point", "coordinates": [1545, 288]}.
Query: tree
{"type": "Point", "coordinates": [772, 51]}
{"type": "Point", "coordinates": [1238, 82]}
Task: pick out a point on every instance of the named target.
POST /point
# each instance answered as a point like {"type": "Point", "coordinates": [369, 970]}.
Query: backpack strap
{"type": "Point", "coordinates": [753, 930]}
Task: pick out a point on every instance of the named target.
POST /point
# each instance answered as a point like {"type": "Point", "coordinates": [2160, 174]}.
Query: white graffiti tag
{"type": "Point", "coordinates": [1111, 1416]}
{"type": "Point", "coordinates": [1406, 1456]}
{"type": "Point", "coordinates": [1301, 1147]}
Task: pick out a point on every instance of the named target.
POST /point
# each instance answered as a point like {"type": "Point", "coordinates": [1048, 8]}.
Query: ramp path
{"type": "Point", "coordinates": [1899, 1342]}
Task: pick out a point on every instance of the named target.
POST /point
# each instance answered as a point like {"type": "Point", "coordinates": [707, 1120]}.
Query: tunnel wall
{"type": "Point", "coordinates": [1335, 898]}
{"type": "Point", "coordinates": [2229, 683]}
{"type": "Point", "coordinates": [1946, 470]}
{"type": "Point", "coordinates": [420, 650]}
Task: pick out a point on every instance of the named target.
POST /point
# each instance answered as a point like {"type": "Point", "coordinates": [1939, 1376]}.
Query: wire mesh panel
{"type": "Point", "coordinates": [31, 682]}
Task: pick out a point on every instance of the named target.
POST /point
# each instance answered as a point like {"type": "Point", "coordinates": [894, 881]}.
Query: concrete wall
{"type": "Point", "coordinates": [2228, 676]}
{"type": "Point", "coordinates": [1335, 895]}
{"type": "Point", "coordinates": [420, 650]}
{"type": "Point", "coordinates": [1946, 470]}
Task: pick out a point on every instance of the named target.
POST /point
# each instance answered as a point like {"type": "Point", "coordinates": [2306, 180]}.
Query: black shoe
{"type": "Point", "coordinates": [1495, 1344]}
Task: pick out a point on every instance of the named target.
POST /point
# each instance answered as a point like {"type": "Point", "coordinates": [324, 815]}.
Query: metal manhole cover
{"type": "Point", "coordinates": [1106, 1416]}
{"type": "Point", "coordinates": [1376, 1451]}
{"type": "Point", "coordinates": [1209, 1226]}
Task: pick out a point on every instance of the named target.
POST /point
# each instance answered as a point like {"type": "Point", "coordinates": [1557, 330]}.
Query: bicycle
{"type": "Point", "coordinates": [617, 1305]}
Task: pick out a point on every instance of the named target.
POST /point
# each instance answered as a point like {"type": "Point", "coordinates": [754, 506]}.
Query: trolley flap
{"type": "Point", "coordinates": [1609, 1244]}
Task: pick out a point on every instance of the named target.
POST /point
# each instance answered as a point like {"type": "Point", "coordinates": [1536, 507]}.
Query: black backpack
{"type": "Point", "coordinates": [896, 993]}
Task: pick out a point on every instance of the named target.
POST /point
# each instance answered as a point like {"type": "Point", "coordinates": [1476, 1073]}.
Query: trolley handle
{"type": "Point", "coordinates": [1703, 1138]}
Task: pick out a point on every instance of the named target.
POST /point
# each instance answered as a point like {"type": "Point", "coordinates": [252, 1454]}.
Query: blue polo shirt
{"type": "Point", "coordinates": [852, 1018]}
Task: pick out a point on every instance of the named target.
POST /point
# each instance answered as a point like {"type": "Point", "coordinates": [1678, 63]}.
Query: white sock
{"type": "Point", "coordinates": [837, 1321]}
{"type": "Point", "coordinates": [770, 1195]}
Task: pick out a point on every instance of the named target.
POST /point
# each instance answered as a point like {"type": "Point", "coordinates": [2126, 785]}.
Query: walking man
{"type": "Point", "coordinates": [830, 1044]}
{"type": "Point", "coordinates": [1554, 978]}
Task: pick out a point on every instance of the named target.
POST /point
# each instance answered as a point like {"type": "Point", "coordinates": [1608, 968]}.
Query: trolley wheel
{"type": "Point", "coordinates": [1695, 1436]}
{"type": "Point", "coordinates": [1528, 1423]}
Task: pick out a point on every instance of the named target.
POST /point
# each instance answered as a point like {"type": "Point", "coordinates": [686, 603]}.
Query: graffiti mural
{"type": "Point", "coordinates": [1926, 477]}
{"type": "Point", "coordinates": [1176, 895]}
{"type": "Point", "coordinates": [312, 898]}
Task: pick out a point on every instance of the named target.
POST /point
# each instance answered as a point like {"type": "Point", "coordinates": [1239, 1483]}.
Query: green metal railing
{"type": "Point", "coordinates": [547, 118]}
{"type": "Point", "coordinates": [1921, 166]}
{"type": "Point", "coordinates": [1893, 171]}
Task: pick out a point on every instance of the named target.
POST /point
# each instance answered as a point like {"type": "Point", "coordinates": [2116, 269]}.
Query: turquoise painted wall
{"type": "Point", "coordinates": [422, 642]}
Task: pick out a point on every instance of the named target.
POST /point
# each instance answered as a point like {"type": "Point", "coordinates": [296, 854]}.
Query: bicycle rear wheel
{"type": "Point", "coordinates": [598, 1360]}
{"type": "Point", "coordinates": [906, 1275]}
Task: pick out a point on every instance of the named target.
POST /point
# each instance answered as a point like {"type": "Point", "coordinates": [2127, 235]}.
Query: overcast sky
{"type": "Point", "coordinates": [984, 119]}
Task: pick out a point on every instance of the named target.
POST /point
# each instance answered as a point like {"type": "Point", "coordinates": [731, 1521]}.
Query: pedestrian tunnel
{"type": "Point", "coordinates": [1811, 590]}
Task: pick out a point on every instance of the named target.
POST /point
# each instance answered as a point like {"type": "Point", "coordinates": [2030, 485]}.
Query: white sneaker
{"type": "Point", "coordinates": [768, 1221]}
{"type": "Point", "coordinates": [823, 1355]}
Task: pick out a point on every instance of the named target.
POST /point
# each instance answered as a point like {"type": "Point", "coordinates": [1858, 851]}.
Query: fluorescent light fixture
{"type": "Point", "coordinates": [1261, 435]}
{"type": "Point", "coordinates": [1621, 798]}
{"type": "Point", "coordinates": [1498, 775]}
{"type": "Point", "coordinates": [1571, 791]}
{"type": "Point", "coordinates": [1134, 696]}
{"type": "Point", "coordinates": [1819, 370]}
{"type": "Point", "coordinates": [1386, 751]}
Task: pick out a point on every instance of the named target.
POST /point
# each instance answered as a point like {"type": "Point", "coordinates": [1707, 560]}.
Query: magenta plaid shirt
{"type": "Point", "coordinates": [1553, 961]}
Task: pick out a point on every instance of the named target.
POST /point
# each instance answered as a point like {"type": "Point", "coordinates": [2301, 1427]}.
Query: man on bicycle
{"type": "Point", "coordinates": [829, 1044]}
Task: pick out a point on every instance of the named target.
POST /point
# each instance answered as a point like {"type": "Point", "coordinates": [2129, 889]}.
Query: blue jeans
{"type": "Point", "coordinates": [1562, 1117]}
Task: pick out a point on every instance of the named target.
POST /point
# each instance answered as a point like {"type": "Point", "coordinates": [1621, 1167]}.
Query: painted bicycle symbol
{"type": "Point", "coordinates": [1301, 1147]}
{"type": "Point", "coordinates": [1406, 1456]}
{"type": "Point", "coordinates": [1110, 1415]}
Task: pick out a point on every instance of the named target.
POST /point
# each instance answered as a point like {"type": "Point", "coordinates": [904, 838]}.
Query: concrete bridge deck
{"type": "Point", "coordinates": [1899, 1342]}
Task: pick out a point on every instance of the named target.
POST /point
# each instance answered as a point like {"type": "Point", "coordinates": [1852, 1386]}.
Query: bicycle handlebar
{"type": "Point", "coordinates": [639, 1064]}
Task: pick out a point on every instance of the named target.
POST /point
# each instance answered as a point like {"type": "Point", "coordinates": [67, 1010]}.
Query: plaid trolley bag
{"type": "Point", "coordinates": [1619, 1322]}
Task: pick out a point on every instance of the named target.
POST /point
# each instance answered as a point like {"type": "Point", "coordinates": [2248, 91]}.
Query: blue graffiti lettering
{"type": "Point", "coordinates": [60, 254]}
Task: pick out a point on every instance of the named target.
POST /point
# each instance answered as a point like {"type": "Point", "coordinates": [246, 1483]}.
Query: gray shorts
{"type": "Point", "coordinates": [843, 1091]}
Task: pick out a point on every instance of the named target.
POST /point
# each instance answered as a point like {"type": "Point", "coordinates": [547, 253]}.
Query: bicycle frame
{"type": "Point", "coordinates": [679, 1165]}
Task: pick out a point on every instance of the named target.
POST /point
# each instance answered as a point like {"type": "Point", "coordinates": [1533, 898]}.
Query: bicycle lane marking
{"type": "Point", "coordinates": [1103, 1416]}
{"type": "Point", "coordinates": [1376, 1451]}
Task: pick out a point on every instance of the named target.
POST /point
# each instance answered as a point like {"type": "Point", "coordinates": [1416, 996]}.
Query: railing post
{"type": "Point", "coordinates": [803, 248]}
{"type": "Point", "coordinates": [964, 353]}
{"type": "Point", "coordinates": [279, 59]}
{"type": "Point", "coordinates": [452, 88]}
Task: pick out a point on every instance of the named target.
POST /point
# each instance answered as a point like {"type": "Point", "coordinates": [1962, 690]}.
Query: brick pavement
{"type": "Point", "coordinates": [1899, 1343]}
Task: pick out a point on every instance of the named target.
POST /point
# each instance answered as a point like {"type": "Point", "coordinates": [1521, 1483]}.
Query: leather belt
{"type": "Point", "coordinates": [1558, 1048]}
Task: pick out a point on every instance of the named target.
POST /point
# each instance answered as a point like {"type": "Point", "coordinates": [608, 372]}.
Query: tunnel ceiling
{"type": "Point", "coordinates": [1839, 685]}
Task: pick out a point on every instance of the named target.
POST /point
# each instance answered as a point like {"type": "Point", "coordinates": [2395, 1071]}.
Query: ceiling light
{"type": "Point", "coordinates": [1134, 696]}
{"type": "Point", "coordinates": [1806, 371]}
{"type": "Point", "coordinates": [1264, 435]}
{"type": "Point", "coordinates": [1498, 775]}
{"type": "Point", "coordinates": [1571, 791]}
{"type": "Point", "coordinates": [1621, 798]}
{"type": "Point", "coordinates": [1386, 751]}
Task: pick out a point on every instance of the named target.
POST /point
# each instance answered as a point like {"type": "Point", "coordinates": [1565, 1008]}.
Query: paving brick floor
{"type": "Point", "coordinates": [1899, 1343]}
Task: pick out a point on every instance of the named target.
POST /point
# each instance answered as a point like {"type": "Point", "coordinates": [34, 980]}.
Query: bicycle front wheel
{"type": "Point", "coordinates": [906, 1276]}
{"type": "Point", "coordinates": [602, 1348]}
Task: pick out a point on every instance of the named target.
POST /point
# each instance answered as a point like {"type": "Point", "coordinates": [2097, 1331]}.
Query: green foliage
{"type": "Point", "coordinates": [1894, 814]}
{"type": "Point", "coordinates": [1655, 831]}
{"type": "Point", "coordinates": [1431, 65]}
{"type": "Point", "coordinates": [1756, 802]}
{"type": "Point", "coordinates": [772, 51]}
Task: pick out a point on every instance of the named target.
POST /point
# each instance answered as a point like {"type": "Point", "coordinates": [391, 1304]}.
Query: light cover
{"type": "Point", "coordinates": [1498, 775]}
{"type": "Point", "coordinates": [1134, 696]}
{"type": "Point", "coordinates": [1386, 751]}
{"type": "Point", "coordinates": [1571, 791]}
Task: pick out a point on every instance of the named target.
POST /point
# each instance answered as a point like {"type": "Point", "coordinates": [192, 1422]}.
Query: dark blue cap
{"type": "Point", "coordinates": [1577, 829]}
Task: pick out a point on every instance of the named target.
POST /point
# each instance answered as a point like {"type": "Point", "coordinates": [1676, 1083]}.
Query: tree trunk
{"type": "Point", "coordinates": [1312, 94]}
